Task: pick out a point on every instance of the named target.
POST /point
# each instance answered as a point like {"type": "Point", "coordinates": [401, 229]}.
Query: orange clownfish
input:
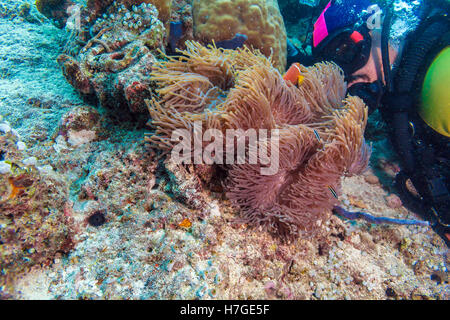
{"type": "Point", "coordinates": [294, 74]}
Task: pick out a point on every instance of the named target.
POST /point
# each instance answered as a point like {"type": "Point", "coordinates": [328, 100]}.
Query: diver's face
{"type": "Point", "coordinates": [373, 69]}
{"type": "Point", "coordinates": [367, 74]}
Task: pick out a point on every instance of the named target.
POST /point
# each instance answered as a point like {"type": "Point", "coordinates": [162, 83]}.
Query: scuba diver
{"type": "Point", "coordinates": [408, 81]}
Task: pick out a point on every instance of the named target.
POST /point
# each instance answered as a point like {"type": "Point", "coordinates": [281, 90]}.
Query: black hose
{"type": "Point", "coordinates": [416, 55]}
{"type": "Point", "coordinates": [385, 49]}
{"type": "Point", "coordinates": [403, 141]}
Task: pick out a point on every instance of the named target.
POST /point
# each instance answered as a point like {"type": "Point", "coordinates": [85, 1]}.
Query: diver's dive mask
{"type": "Point", "coordinates": [348, 48]}
{"type": "Point", "coordinates": [341, 34]}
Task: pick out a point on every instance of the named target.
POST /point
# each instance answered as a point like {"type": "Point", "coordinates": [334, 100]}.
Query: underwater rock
{"type": "Point", "coordinates": [55, 10]}
{"type": "Point", "coordinates": [34, 228]}
{"type": "Point", "coordinates": [81, 125]}
{"type": "Point", "coordinates": [182, 19]}
{"type": "Point", "coordinates": [15, 10]}
{"type": "Point", "coordinates": [164, 7]}
{"type": "Point", "coordinates": [393, 201]}
{"type": "Point", "coordinates": [390, 168]}
{"type": "Point", "coordinates": [372, 179]}
{"type": "Point", "coordinates": [119, 45]}
{"type": "Point", "coordinates": [114, 65]}
{"type": "Point", "coordinates": [97, 7]}
{"type": "Point", "coordinates": [5, 167]}
{"type": "Point", "coordinates": [73, 74]}
{"type": "Point", "coordinates": [299, 17]}
{"type": "Point", "coordinates": [159, 242]}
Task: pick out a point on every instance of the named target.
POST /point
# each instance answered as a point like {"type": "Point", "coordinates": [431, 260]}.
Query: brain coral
{"type": "Point", "coordinates": [163, 6]}
{"type": "Point", "coordinates": [321, 132]}
{"type": "Point", "coordinates": [260, 20]}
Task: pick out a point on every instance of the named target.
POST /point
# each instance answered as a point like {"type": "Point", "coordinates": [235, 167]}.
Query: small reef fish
{"type": "Point", "coordinates": [186, 223]}
{"type": "Point", "coordinates": [176, 31]}
{"type": "Point", "coordinates": [317, 135]}
{"type": "Point", "coordinates": [333, 192]}
{"type": "Point", "coordinates": [294, 75]}
{"type": "Point", "coordinates": [237, 42]}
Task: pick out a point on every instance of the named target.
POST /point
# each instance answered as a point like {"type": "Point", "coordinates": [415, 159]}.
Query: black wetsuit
{"type": "Point", "coordinates": [424, 153]}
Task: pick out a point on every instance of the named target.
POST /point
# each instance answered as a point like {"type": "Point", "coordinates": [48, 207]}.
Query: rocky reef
{"type": "Point", "coordinates": [34, 226]}
{"type": "Point", "coordinates": [113, 44]}
{"type": "Point", "coordinates": [90, 210]}
{"type": "Point", "coordinates": [113, 66]}
{"type": "Point", "coordinates": [299, 17]}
